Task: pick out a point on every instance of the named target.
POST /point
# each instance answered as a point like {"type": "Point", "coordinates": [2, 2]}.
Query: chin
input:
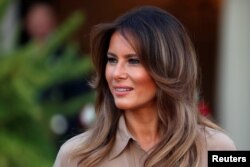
{"type": "Point", "coordinates": [123, 106]}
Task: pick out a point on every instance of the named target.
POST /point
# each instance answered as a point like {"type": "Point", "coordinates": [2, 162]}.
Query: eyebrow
{"type": "Point", "coordinates": [127, 55]}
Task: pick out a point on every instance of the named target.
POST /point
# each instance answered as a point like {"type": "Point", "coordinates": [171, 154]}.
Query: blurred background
{"type": "Point", "coordinates": [45, 68]}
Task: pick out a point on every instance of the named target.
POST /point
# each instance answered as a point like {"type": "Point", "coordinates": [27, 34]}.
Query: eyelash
{"type": "Point", "coordinates": [134, 61]}
{"type": "Point", "coordinates": [112, 60]}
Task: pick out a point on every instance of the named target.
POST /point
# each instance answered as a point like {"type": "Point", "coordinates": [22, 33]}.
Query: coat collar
{"type": "Point", "coordinates": [123, 136]}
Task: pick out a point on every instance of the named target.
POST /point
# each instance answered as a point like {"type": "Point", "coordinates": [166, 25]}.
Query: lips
{"type": "Point", "coordinates": [122, 90]}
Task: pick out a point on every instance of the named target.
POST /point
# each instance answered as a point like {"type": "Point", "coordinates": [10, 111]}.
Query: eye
{"type": "Point", "coordinates": [112, 60]}
{"type": "Point", "coordinates": [134, 61]}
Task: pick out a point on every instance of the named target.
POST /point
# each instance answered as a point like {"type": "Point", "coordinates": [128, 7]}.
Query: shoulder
{"type": "Point", "coordinates": [74, 142]}
{"type": "Point", "coordinates": [217, 140]}
{"type": "Point", "coordinates": [66, 150]}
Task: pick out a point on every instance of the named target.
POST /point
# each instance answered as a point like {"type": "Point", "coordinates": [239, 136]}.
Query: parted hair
{"type": "Point", "coordinates": [167, 53]}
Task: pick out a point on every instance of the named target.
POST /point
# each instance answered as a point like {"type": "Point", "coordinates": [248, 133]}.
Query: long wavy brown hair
{"type": "Point", "coordinates": [166, 51]}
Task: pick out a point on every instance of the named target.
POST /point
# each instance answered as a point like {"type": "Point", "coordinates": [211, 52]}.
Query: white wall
{"type": "Point", "coordinates": [233, 87]}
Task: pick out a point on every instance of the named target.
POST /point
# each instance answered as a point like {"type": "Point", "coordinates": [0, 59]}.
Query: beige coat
{"type": "Point", "coordinates": [127, 153]}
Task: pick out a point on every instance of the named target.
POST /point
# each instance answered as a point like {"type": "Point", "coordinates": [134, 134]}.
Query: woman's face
{"type": "Point", "coordinates": [129, 82]}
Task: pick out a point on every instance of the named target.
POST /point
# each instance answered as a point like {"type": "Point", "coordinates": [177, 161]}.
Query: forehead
{"type": "Point", "coordinates": [119, 43]}
{"type": "Point", "coordinates": [127, 37]}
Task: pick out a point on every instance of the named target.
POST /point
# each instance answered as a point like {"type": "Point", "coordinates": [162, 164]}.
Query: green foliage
{"type": "Point", "coordinates": [3, 5]}
{"type": "Point", "coordinates": [25, 136]}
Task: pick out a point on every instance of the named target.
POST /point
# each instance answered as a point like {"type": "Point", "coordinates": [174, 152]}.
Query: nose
{"type": "Point", "coordinates": [120, 72]}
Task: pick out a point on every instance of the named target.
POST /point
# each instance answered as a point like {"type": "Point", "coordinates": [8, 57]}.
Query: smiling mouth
{"type": "Point", "coordinates": [123, 89]}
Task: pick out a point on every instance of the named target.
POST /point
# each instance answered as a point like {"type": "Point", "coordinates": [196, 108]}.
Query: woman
{"type": "Point", "coordinates": [146, 107]}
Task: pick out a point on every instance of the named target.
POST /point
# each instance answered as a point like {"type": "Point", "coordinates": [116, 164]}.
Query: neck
{"type": "Point", "coordinates": [143, 125]}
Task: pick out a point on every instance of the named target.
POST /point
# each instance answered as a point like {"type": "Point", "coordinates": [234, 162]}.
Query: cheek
{"type": "Point", "coordinates": [145, 82]}
{"type": "Point", "coordinates": [150, 86]}
{"type": "Point", "coordinates": [107, 74]}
